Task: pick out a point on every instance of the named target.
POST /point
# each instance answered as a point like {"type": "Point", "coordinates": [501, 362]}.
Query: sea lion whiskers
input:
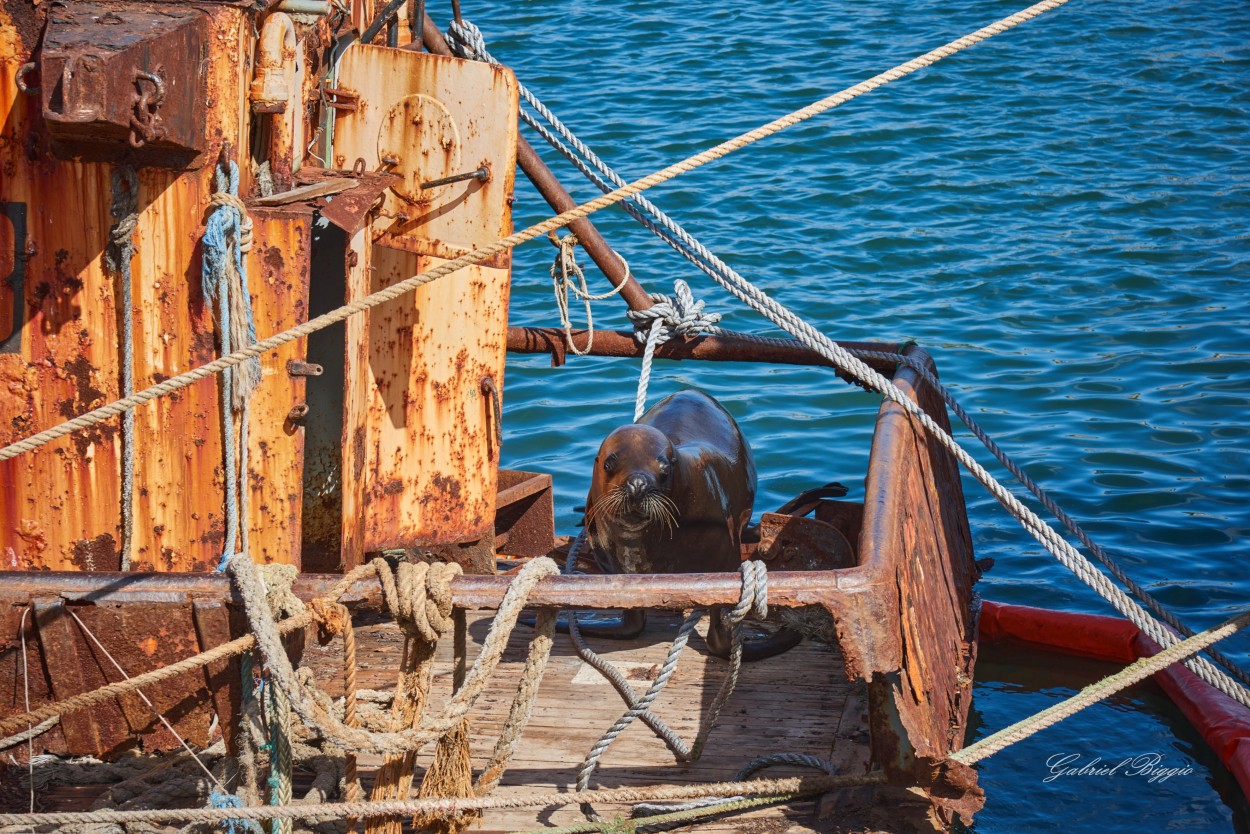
{"type": "Point", "coordinates": [659, 507]}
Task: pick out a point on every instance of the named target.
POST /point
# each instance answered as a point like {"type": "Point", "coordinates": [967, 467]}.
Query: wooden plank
{"type": "Point", "coordinates": [822, 712]}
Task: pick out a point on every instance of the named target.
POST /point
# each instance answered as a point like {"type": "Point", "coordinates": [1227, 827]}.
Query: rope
{"type": "Point", "coordinates": [655, 811]}
{"type": "Point", "coordinates": [522, 705]}
{"type": "Point", "coordinates": [676, 315]}
{"type": "Point", "coordinates": [314, 712]}
{"type": "Point", "coordinates": [478, 255]}
{"type": "Point", "coordinates": [676, 819]}
{"type": "Point", "coordinates": [446, 806]}
{"type": "Point", "coordinates": [753, 602]}
{"type": "Point", "coordinates": [32, 733]}
{"type": "Point", "coordinates": [684, 243]}
{"type": "Point", "coordinates": [1096, 692]}
{"type": "Point", "coordinates": [227, 237]}
{"type": "Point", "coordinates": [117, 258]}
{"type": "Point", "coordinates": [280, 755]}
{"type": "Point", "coordinates": [565, 267]}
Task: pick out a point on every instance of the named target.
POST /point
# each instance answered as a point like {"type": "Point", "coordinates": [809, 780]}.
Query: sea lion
{"type": "Point", "coordinates": [672, 493]}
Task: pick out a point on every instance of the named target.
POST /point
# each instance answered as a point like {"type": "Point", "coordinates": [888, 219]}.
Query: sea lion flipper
{"type": "Point", "coordinates": [720, 640]}
{"type": "Point", "coordinates": [625, 627]}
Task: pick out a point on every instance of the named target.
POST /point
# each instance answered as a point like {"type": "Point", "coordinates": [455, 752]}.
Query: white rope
{"type": "Point", "coordinates": [752, 603]}
{"type": "Point", "coordinates": [676, 315]}
{"type": "Point", "coordinates": [565, 268]}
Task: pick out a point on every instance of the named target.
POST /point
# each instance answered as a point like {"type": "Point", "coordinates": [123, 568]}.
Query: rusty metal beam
{"type": "Point", "coordinates": [723, 348]}
{"type": "Point", "coordinates": [610, 263]}
{"type": "Point", "coordinates": [667, 591]}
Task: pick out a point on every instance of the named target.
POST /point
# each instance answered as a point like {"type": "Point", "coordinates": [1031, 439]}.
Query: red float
{"type": "Point", "coordinates": [1223, 723]}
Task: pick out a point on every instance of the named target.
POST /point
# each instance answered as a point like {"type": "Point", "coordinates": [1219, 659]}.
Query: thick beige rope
{"type": "Point", "coordinates": [526, 799]}
{"type": "Point", "coordinates": [478, 255]}
{"type": "Point", "coordinates": [316, 714]}
{"type": "Point", "coordinates": [1096, 692]}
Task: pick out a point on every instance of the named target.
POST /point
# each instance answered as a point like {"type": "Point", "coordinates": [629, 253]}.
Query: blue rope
{"type": "Point", "coordinates": [234, 826]}
{"type": "Point", "coordinates": [222, 238]}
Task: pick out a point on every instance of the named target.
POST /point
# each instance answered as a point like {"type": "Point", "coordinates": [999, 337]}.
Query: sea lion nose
{"type": "Point", "coordinates": [636, 486]}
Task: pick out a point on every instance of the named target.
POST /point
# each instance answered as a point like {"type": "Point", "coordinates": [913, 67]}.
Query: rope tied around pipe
{"type": "Point", "coordinates": [564, 269]}
{"type": "Point", "coordinates": [680, 314]}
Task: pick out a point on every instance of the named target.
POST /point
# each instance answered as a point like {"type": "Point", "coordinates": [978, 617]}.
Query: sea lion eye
{"type": "Point", "coordinates": [609, 464]}
{"type": "Point", "coordinates": [664, 466]}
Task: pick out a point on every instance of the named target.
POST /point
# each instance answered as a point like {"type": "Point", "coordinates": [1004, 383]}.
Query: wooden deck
{"type": "Point", "coordinates": [799, 702]}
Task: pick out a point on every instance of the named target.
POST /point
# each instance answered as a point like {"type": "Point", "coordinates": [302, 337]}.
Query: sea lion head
{"type": "Point", "coordinates": [634, 473]}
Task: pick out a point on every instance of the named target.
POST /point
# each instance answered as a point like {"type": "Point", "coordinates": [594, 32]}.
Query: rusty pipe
{"type": "Point", "coordinates": [727, 347]}
{"type": "Point", "coordinates": [604, 256]}
{"type": "Point", "coordinates": [661, 591]}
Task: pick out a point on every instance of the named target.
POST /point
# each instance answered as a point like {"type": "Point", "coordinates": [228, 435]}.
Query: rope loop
{"type": "Point", "coordinates": [677, 315]}
{"type": "Point", "coordinates": [568, 277]}
{"type": "Point", "coordinates": [754, 600]}
{"type": "Point", "coordinates": [466, 41]}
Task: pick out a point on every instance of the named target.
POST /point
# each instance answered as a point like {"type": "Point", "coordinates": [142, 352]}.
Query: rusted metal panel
{"type": "Point", "coordinates": [916, 536]}
{"type": "Point", "coordinates": [215, 624]}
{"type": "Point", "coordinates": [356, 395]}
{"type": "Point", "coordinates": [427, 117]}
{"type": "Point", "coordinates": [179, 491]}
{"type": "Point", "coordinates": [59, 506]}
{"type": "Point", "coordinates": [14, 688]}
{"type": "Point", "coordinates": [65, 360]}
{"type": "Point", "coordinates": [278, 275]}
{"type": "Point", "coordinates": [71, 672]}
{"type": "Point", "coordinates": [140, 639]}
{"type": "Point", "coordinates": [789, 543]}
{"type": "Point", "coordinates": [524, 514]}
{"type": "Point", "coordinates": [419, 435]}
{"type": "Point", "coordinates": [125, 79]}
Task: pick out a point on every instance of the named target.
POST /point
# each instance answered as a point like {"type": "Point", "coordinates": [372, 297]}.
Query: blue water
{"type": "Point", "coordinates": [1058, 214]}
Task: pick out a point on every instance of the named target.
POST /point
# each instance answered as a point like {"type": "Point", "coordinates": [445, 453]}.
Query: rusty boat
{"type": "Point", "coordinates": [360, 152]}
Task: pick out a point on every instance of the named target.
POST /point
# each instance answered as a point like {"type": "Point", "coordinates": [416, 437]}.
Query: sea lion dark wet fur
{"type": "Point", "coordinates": [672, 493]}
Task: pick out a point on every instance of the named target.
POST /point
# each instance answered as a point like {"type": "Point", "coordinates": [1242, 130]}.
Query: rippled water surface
{"type": "Point", "coordinates": [1059, 214]}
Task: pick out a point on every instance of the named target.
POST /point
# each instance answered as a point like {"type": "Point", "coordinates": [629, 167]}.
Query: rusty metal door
{"type": "Point", "coordinates": [420, 447]}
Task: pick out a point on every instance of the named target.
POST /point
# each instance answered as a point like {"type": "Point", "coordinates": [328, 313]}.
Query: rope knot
{"type": "Point", "coordinates": [418, 596]}
{"type": "Point", "coordinates": [754, 600]}
{"type": "Point", "coordinates": [331, 617]}
{"type": "Point", "coordinates": [242, 220]}
{"type": "Point", "coordinates": [677, 315]}
{"type": "Point", "coordinates": [466, 41]}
